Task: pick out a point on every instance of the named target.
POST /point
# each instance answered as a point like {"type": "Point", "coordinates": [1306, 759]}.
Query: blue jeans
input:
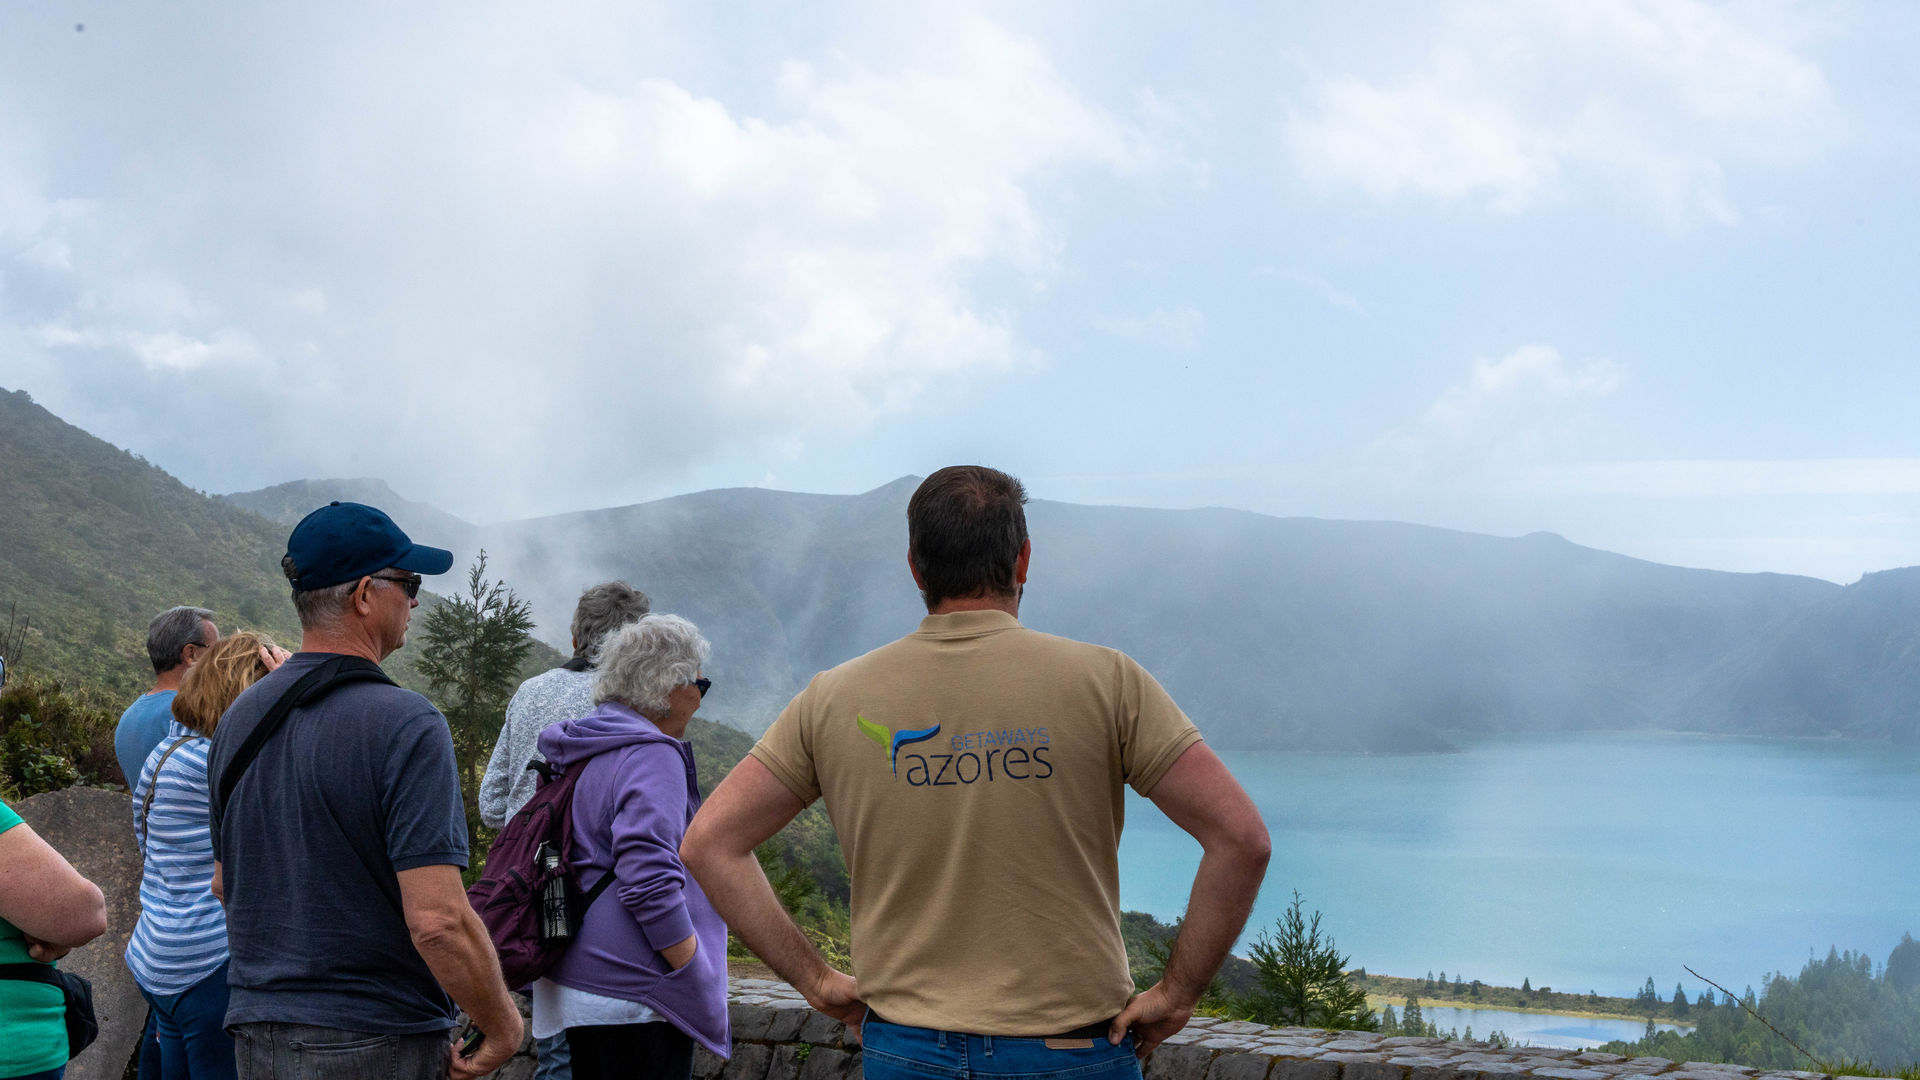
{"type": "Point", "coordinates": [555, 1062]}
{"type": "Point", "coordinates": [897, 1052]}
{"type": "Point", "coordinates": [190, 1031]}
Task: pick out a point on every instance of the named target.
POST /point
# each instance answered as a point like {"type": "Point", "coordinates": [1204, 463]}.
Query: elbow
{"type": "Point", "coordinates": [696, 850]}
{"type": "Point", "coordinates": [93, 920]}
{"type": "Point", "coordinates": [435, 932]}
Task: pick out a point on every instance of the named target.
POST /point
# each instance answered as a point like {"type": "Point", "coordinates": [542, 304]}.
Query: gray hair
{"type": "Point", "coordinates": [172, 630]}
{"type": "Point", "coordinates": [640, 663]}
{"type": "Point", "coordinates": [319, 608]}
{"type": "Point", "coordinates": [604, 608]}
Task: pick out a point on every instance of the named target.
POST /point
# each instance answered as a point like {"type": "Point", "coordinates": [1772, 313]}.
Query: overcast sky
{"type": "Point", "coordinates": [1638, 272]}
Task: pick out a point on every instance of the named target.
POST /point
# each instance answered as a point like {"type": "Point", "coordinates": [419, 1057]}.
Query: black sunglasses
{"type": "Point", "coordinates": [703, 685]}
{"type": "Point", "coordinates": [411, 583]}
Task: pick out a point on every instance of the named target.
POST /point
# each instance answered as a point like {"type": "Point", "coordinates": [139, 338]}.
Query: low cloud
{"type": "Point", "coordinates": [1521, 102]}
{"type": "Point", "coordinates": [1507, 412]}
{"type": "Point", "coordinates": [480, 248]}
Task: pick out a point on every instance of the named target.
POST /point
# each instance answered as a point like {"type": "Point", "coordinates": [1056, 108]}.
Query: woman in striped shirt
{"type": "Point", "coordinates": [178, 951]}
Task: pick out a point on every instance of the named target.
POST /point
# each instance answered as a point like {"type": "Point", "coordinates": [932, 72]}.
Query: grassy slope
{"type": "Point", "coordinates": [94, 541]}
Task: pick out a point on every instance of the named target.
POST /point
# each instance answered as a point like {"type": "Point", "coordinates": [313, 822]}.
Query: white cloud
{"type": "Point", "coordinates": [514, 244]}
{"type": "Point", "coordinates": [1520, 102]}
{"type": "Point", "coordinates": [1506, 413]}
{"type": "Point", "coordinates": [1170, 328]}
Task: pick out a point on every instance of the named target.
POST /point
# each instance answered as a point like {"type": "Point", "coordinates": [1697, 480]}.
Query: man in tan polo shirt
{"type": "Point", "coordinates": [973, 771]}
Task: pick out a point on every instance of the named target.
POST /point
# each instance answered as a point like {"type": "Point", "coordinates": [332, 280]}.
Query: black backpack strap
{"type": "Point", "coordinates": [594, 893]}
{"type": "Point", "coordinates": [40, 973]}
{"type": "Point", "coordinates": [309, 688]}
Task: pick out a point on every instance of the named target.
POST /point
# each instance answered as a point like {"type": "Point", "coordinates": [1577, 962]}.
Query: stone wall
{"type": "Point", "coordinates": [777, 1037]}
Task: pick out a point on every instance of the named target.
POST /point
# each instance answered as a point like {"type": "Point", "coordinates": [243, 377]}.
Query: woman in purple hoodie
{"type": "Point", "coordinates": [646, 978]}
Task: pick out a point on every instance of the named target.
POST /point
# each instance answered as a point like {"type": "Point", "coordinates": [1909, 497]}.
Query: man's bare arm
{"type": "Point", "coordinates": [748, 807]}
{"type": "Point", "coordinates": [1203, 798]}
{"type": "Point", "coordinates": [454, 943]}
{"type": "Point", "coordinates": [54, 907]}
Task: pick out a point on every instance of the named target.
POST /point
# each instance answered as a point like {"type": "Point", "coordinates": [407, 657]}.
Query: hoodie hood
{"type": "Point", "coordinates": [609, 726]}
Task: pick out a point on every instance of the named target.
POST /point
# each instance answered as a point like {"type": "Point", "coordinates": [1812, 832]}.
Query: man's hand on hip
{"type": "Point", "coordinates": [838, 995]}
{"type": "Point", "coordinates": [1151, 1016]}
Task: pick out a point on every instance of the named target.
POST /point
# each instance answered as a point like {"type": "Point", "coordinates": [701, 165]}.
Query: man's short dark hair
{"type": "Point", "coordinates": [965, 528]}
{"type": "Point", "coordinates": [604, 608]}
{"type": "Point", "coordinates": [172, 630]}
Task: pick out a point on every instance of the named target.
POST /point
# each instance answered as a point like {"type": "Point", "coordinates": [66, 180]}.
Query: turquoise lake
{"type": "Point", "coordinates": [1539, 1029]}
{"type": "Point", "coordinates": [1585, 862]}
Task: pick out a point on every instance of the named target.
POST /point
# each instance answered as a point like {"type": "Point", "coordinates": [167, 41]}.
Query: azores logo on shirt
{"type": "Point", "coordinates": [892, 741]}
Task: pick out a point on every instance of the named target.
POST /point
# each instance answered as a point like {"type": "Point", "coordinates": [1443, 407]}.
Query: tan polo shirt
{"type": "Point", "coordinates": [973, 771]}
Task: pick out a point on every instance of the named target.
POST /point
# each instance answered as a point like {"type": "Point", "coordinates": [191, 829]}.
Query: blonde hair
{"type": "Point", "coordinates": [232, 665]}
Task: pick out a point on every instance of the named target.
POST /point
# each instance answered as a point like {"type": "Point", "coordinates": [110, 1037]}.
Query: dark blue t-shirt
{"type": "Point", "coordinates": [350, 791]}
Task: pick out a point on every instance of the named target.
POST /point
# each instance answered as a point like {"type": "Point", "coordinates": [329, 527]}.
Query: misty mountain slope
{"type": "Point", "coordinates": [1848, 665]}
{"type": "Point", "coordinates": [95, 541]}
{"type": "Point", "coordinates": [1376, 634]}
{"type": "Point", "coordinates": [1271, 632]}
{"type": "Point", "coordinates": [289, 502]}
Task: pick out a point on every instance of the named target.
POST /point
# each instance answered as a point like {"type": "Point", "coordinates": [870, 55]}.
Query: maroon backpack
{"type": "Point", "coordinates": [511, 891]}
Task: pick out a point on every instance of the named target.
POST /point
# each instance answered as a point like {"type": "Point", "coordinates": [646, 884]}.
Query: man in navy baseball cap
{"type": "Point", "coordinates": [348, 824]}
{"type": "Point", "coordinates": [343, 541]}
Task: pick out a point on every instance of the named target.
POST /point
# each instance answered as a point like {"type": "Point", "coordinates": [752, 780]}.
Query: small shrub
{"type": "Point", "coordinates": [53, 738]}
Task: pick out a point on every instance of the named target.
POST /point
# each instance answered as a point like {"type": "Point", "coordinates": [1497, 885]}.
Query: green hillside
{"type": "Point", "coordinates": [94, 541]}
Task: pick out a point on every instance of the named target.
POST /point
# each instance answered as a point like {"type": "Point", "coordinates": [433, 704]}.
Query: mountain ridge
{"type": "Point", "coordinates": [1297, 632]}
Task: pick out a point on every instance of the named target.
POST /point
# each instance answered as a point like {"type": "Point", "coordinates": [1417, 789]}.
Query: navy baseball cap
{"type": "Point", "coordinates": [343, 541]}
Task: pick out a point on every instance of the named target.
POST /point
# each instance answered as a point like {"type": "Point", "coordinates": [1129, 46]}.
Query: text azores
{"type": "Point", "coordinates": [983, 757]}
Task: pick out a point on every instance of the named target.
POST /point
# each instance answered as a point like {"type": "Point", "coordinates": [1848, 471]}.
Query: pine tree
{"type": "Point", "coordinates": [1410, 1019]}
{"type": "Point", "coordinates": [1526, 986]}
{"type": "Point", "coordinates": [1679, 1000]}
{"type": "Point", "coordinates": [475, 642]}
{"type": "Point", "coordinates": [1302, 978]}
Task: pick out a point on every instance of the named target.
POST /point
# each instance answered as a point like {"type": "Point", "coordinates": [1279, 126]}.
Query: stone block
{"type": "Point", "coordinates": [1409, 1040]}
{"type": "Point", "coordinates": [825, 1063]}
{"type": "Point", "coordinates": [93, 828]}
{"type": "Point", "coordinates": [1347, 1044]}
{"type": "Point", "coordinates": [1650, 1063]}
{"type": "Point", "coordinates": [785, 1064]}
{"type": "Point", "coordinates": [1296, 1069]}
{"type": "Point", "coordinates": [1571, 1074]}
{"type": "Point", "coordinates": [1371, 1070]}
{"type": "Point", "coordinates": [1718, 1066]}
{"type": "Point", "coordinates": [823, 1030]}
{"type": "Point", "coordinates": [1355, 1057]}
{"type": "Point", "coordinates": [1240, 1066]}
{"type": "Point", "coordinates": [1432, 1069]}
{"type": "Point", "coordinates": [1595, 1057]}
{"type": "Point", "coordinates": [1492, 1069]}
{"type": "Point", "coordinates": [784, 1024]}
{"type": "Point", "coordinates": [707, 1064]}
{"type": "Point", "coordinates": [1239, 1027]}
{"type": "Point", "coordinates": [1178, 1063]}
{"type": "Point", "coordinates": [749, 1062]}
{"type": "Point", "coordinates": [749, 1022]}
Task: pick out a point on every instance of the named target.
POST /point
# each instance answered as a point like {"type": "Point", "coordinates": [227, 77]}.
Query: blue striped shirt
{"type": "Point", "coordinates": [181, 937]}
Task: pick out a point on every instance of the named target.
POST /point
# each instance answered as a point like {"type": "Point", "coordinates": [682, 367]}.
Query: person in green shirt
{"type": "Point", "coordinates": [46, 910]}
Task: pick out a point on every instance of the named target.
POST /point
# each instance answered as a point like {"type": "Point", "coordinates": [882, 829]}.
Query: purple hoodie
{"type": "Point", "coordinates": [630, 810]}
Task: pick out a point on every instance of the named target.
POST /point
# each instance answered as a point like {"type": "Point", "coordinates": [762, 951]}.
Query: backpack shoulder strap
{"type": "Point", "coordinates": [31, 972]}
{"type": "Point", "coordinates": [308, 689]}
{"type": "Point", "coordinates": [146, 805]}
